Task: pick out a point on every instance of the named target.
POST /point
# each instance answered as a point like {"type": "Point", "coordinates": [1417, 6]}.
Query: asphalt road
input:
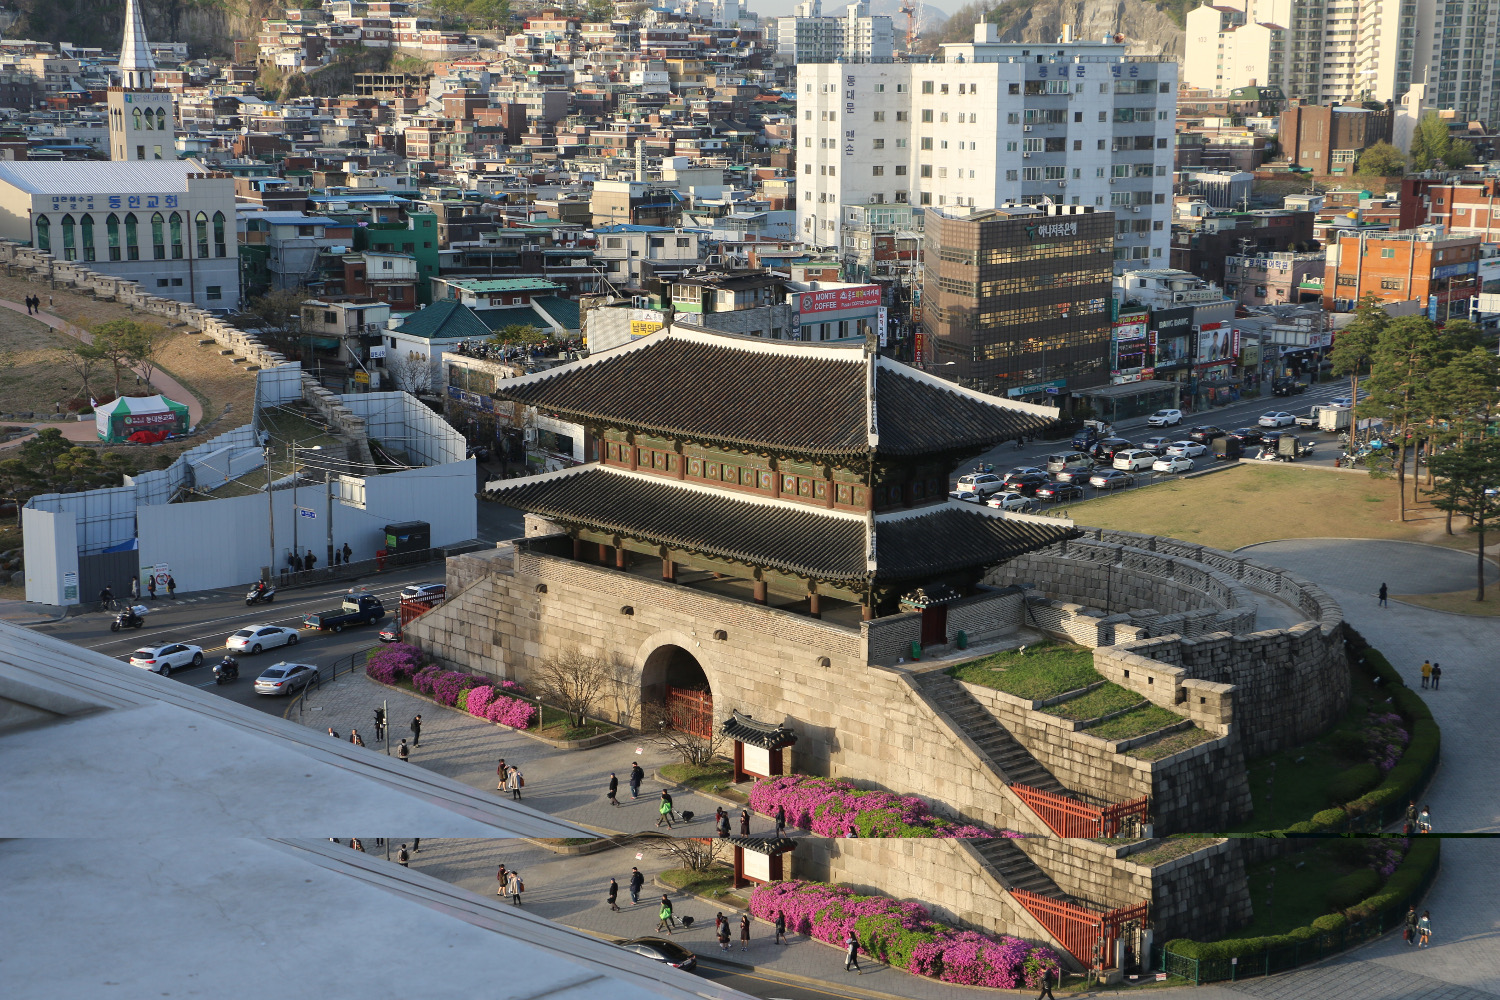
{"type": "Point", "coordinates": [771, 988]}
{"type": "Point", "coordinates": [207, 619]}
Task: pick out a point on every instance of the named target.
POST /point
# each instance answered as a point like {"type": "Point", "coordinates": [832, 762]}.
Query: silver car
{"type": "Point", "coordinates": [284, 678]}
{"type": "Point", "coordinates": [254, 638]}
{"type": "Point", "coordinates": [165, 659]}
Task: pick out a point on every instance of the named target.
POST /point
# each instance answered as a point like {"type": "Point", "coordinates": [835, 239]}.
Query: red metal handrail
{"type": "Point", "coordinates": [1070, 817]}
{"type": "Point", "coordinates": [1077, 928]}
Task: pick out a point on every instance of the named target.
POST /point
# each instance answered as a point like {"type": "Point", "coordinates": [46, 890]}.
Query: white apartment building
{"type": "Point", "coordinates": [808, 36]}
{"type": "Point", "coordinates": [989, 124]}
{"type": "Point", "coordinates": [1459, 59]}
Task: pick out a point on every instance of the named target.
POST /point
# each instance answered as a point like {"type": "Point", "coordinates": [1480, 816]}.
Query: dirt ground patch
{"type": "Point", "coordinates": [1459, 602]}
{"type": "Point", "coordinates": [1256, 503]}
{"type": "Point", "coordinates": [224, 390]}
{"type": "Point", "coordinates": [31, 378]}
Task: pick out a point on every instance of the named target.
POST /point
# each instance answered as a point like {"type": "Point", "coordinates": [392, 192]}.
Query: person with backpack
{"type": "Point", "coordinates": [1410, 824]}
{"type": "Point", "coordinates": [636, 881]}
{"type": "Point", "coordinates": [151, 586]}
{"type": "Point", "coordinates": [515, 887]}
{"type": "Point", "coordinates": [1424, 929]}
{"type": "Point", "coordinates": [403, 751]}
{"type": "Point", "coordinates": [171, 586]}
{"type": "Point", "coordinates": [636, 777]}
{"type": "Point", "coordinates": [515, 782]}
{"type": "Point", "coordinates": [721, 931]}
{"type": "Point", "coordinates": [403, 858]}
{"type": "Point", "coordinates": [379, 723]}
{"type": "Point", "coordinates": [1437, 676]}
{"type": "Point", "coordinates": [1049, 976]}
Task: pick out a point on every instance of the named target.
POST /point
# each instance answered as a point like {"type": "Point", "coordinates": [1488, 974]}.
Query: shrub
{"type": "Point", "coordinates": [512, 712]}
{"type": "Point", "coordinates": [1357, 885]}
{"type": "Point", "coordinates": [479, 699]}
{"type": "Point", "coordinates": [829, 808]}
{"type": "Point", "coordinates": [394, 663]}
{"type": "Point", "coordinates": [903, 935]}
{"type": "Point", "coordinates": [1350, 784]}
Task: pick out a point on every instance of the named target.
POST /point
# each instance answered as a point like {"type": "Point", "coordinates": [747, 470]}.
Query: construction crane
{"type": "Point", "coordinates": [913, 11]}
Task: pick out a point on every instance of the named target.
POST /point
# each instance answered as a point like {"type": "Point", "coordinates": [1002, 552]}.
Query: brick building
{"type": "Point", "coordinates": [1462, 207]}
{"type": "Point", "coordinates": [1428, 265]}
{"type": "Point", "coordinates": [1201, 245]}
{"type": "Point", "coordinates": [1327, 139]}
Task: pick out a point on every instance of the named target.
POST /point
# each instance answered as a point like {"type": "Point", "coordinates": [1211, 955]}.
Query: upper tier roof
{"type": "Point", "coordinates": [775, 395]}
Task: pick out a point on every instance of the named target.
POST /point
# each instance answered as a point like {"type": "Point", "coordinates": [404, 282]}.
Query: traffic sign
{"type": "Point", "coordinates": [306, 512]}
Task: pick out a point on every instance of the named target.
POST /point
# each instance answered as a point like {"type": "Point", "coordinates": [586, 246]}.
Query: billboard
{"type": "Point", "coordinates": [1216, 342]}
{"type": "Point", "coordinates": [834, 299]}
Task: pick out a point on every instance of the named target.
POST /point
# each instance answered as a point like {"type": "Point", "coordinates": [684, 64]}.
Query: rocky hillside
{"type": "Point", "coordinates": [208, 26]}
{"type": "Point", "coordinates": [1149, 28]}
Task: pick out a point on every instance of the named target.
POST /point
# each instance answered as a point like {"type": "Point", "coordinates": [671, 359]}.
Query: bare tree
{"type": "Point", "coordinates": [145, 350]}
{"type": "Point", "coordinates": [83, 360]}
{"type": "Point", "coordinates": [668, 726]}
{"type": "Point", "coordinates": [693, 853]}
{"type": "Point", "coordinates": [573, 682]}
{"type": "Point", "coordinates": [410, 373]}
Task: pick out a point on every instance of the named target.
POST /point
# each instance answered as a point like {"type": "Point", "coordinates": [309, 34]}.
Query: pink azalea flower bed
{"type": "Point", "coordinates": [830, 808]}
{"type": "Point", "coordinates": [903, 935]}
{"type": "Point", "coordinates": [479, 696]}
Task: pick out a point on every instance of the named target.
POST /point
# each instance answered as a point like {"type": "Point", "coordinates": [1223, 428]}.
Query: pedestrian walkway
{"type": "Point", "coordinates": [1362, 981]}
{"type": "Point", "coordinates": [569, 784]}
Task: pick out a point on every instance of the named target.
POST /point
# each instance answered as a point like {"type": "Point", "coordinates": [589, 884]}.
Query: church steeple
{"type": "Point", "coordinates": [137, 68]}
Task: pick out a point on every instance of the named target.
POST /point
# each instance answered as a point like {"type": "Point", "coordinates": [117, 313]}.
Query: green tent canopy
{"type": "Point", "coordinates": [146, 419]}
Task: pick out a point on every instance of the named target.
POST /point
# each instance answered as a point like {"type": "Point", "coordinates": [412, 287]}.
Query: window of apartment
{"type": "Point", "coordinates": [1011, 175]}
{"type": "Point", "coordinates": [1055, 173]}
{"type": "Point", "coordinates": [901, 197]}
{"type": "Point", "coordinates": [877, 171]}
{"type": "Point", "coordinates": [880, 88]}
{"type": "Point", "coordinates": [1031, 173]}
{"type": "Point", "coordinates": [162, 282]}
{"type": "Point", "coordinates": [903, 116]}
{"type": "Point", "coordinates": [176, 282]}
{"type": "Point", "coordinates": [1392, 283]}
{"type": "Point", "coordinates": [1161, 116]}
{"type": "Point", "coordinates": [807, 168]}
{"type": "Point", "coordinates": [386, 265]}
{"type": "Point", "coordinates": [1159, 199]}
{"type": "Point", "coordinates": [1156, 226]}
{"type": "Point", "coordinates": [807, 142]}
{"type": "Point", "coordinates": [1012, 118]}
{"type": "Point", "coordinates": [1077, 173]}
{"type": "Point", "coordinates": [214, 293]}
{"type": "Point", "coordinates": [900, 88]}
{"type": "Point", "coordinates": [926, 86]}
{"type": "Point", "coordinates": [1010, 146]}
{"type": "Point", "coordinates": [807, 115]}
{"type": "Point", "coordinates": [942, 88]}
{"type": "Point", "coordinates": [615, 242]}
{"type": "Point", "coordinates": [1077, 145]}
{"type": "Point", "coordinates": [880, 116]}
{"type": "Point", "coordinates": [1032, 145]}
{"type": "Point", "coordinates": [1388, 252]}
{"type": "Point", "coordinates": [879, 144]}
{"type": "Point", "coordinates": [684, 241]}
{"type": "Point", "coordinates": [900, 143]}
{"type": "Point", "coordinates": [925, 170]}
{"type": "Point", "coordinates": [927, 115]}
{"type": "Point", "coordinates": [926, 198]}
{"type": "Point", "coordinates": [1101, 143]}
{"type": "Point", "coordinates": [926, 142]}
{"type": "Point", "coordinates": [1103, 116]}
{"type": "Point", "coordinates": [306, 231]}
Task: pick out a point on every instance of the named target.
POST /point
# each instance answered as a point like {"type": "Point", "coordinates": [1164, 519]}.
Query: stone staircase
{"type": "Point", "coordinates": [1013, 762]}
{"type": "Point", "coordinates": [1014, 869]}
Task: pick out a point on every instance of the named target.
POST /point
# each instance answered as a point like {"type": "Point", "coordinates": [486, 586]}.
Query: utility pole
{"type": "Point", "coordinates": [296, 514]}
{"type": "Point", "coordinates": [328, 504]}
{"type": "Point", "coordinates": [271, 517]}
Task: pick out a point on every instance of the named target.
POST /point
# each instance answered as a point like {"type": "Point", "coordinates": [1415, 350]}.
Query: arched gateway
{"type": "Point", "coordinates": [673, 679]}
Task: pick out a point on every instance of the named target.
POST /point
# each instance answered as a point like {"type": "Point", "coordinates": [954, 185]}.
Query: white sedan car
{"type": "Point", "coordinates": [1173, 463]}
{"type": "Point", "coordinates": [1277, 418]}
{"type": "Point", "coordinates": [1186, 449]}
{"type": "Point", "coordinates": [165, 659]}
{"type": "Point", "coordinates": [254, 638]}
{"type": "Point", "coordinates": [1008, 501]}
{"type": "Point", "coordinates": [284, 678]}
{"type": "Point", "coordinates": [1164, 418]}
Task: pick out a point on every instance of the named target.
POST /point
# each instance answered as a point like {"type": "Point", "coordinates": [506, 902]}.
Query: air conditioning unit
{"type": "Point", "coordinates": [1027, 128]}
{"type": "Point", "coordinates": [1062, 184]}
{"type": "Point", "coordinates": [1135, 208]}
{"type": "Point", "coordinates": [1025, 156]}
{"type": "Point", "coordinates": [1113, 179]}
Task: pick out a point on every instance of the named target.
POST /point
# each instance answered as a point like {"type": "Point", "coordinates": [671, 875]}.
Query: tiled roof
{"type": "Point", "coordinates": [794, 397]}
{"type": "Point", "coordinates": [445, 320]}
{"type": "Point", "coordinates": [766, 735]}
{"type": "Point", "coordinates": [778, 534]}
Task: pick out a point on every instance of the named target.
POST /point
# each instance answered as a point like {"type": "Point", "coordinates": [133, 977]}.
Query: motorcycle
{"type": "Point", "coordinates": [258, 596]}
{"type": "Point", "coordinates": [226, 670]}
{"type": "Point", "coordinates": [129, 618]}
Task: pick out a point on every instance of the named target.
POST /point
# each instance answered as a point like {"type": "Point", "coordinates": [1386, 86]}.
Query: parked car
{"type": "Point", "coordinates": [1068, 461]}
{"type": "Point", "coordinates": [967, 496]}
{"type": "Point", "coordinates": [1186, 449]}
{"type": "Point", "coordinates": [254, 638]}
{"type": "Point", "coordinates": [357, 609]}
{"type": "Point", "coordinates": [1344, 401]}
{"type": "Point", "coordinates": [1288, 387]}
{"type": "Point", "coordinates": [983, 483]}
{"type": "Point", "coordinates": [663, 951]}
{"type": "Point", "coordinates": [1203, 434]}
{"type": "Point", "coordinates": [165, 659]}
{"type": "Point", "coordinates": [1157, 445]}
{"type": "Point", "coordinates": [1079, 475]}
{"type": "Point", "coordinates": [284, 678]}
{"type": "Point", "coordinates": [1247, 435]}
{"type": "Point", "coordinates": [424, 592]}
{"type": "Point", "coordinates": [1055, 492]}
{"type": "Point", "coordinates": [1164, 418]}
{"type": "Point", "coordinates": [1008, 501]}
{"type": "Point", "coordinates": [1134, 459]}
{"type": "Point", "coordinates": [1028, 484]}
{"type": "Point", "coordinates": [1111, 479]}
{"type": "Point", "coordinates": [391, 633]}
{"type": "Point", "coordinates": [1277, 418]}
{"type": "Point", "coordinates": [1106, 450]}
{"type": "Point", "coordinates": [1173, 463]}
{"type": "Point", "coordinates": [1019, 471]}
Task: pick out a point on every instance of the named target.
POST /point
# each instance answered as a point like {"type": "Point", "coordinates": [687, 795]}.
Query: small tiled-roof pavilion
{"type": "Point", "coordinates": [810, 477]}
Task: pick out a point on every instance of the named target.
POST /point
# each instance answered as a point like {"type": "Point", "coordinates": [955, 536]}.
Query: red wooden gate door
{"type": "Point", "coordinates": [935, 625]}
{"type": "Point", "coordinates": [691, 711]}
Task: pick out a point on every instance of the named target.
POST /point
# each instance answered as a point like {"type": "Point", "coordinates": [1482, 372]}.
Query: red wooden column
{"type": "Point", "coordinates": [619, 553]}
{"type": "Point", "coordinates": [760, 588]}
{"type": "Point", "coordinates": [603, 554]}
{"type": "Point", "coordinates": [578, 548]}
{"type": "Point", "coordinates": [668, 568]}
{"type": "Point", "coordinates": [814, 604]}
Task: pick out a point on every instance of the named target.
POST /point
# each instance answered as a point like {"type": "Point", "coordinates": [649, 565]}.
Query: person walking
{"type": "Point", "coordinates": [1383, 594]}
{"type": "Point", "coordinates": [613, 894]}
{"type": "Point", "coordinates": [1424, 820]}
{"type": "Point", "coordinates": [636, 777]}
{"type": "Point", "coordinates": [1437, 675]}
{"type": "Point", "coordinates": [614, 789]}
{"type": "Point", "coordinates": [403, 751]}
{"type": "Point", "coordinates": [358, 845]}
{"type": "Point", "coordinates": [515, 782]}
{"type": "Point", "coordinates": [744, 932]}
{"type": "Point", "coordinates": [780, 821]}
{"type": "Point", "coordinates": [151, 586]}
{"type": "Point", "coordinates": [1049, 976]}
{"type": "Point", "coordinates": [311, 560]}
{"type": "Point", "coordinates": [636, 881]}
{"type": "Point", "coordinates": [1409, 934]}
{"type": "Point", "coordinates": [514, 887]}
{"type": "Point", "coordinates": [718, 818]}
{"type": "Point", "coordinates": [334, 734]}
{"type": "Point", "coordinates": [403, 858]}
{"type": "Point", "coordinates": [851, 954]}
{"type": "Point", "coordinates": [135, 588]}
{"type": "Point", "coordinates": [347, 552]}
{"type": "Point", "coordinates": [723, 825]}
{"type": "Point", "coordinates": [1424, 929]}
{"type": "Point", "coordinates": [416, 731]}
{"type": "Point", "coordinates": [171, 586]}
{"type": "Point", "coordinates": [665, 809]}
{"type": "Point", "coordinates": [416, 845]}
{"type": "Point", "coordinates": [721, 931]}
{"type": "Point", "coordinates": [664, 915]}
{"type": "Point", "coordinates": [1426, 672]}
{"type": "Point", "coordinates": [502, 878]}
{"type": "Point", "coordinates": [380, 723]}
{"type": "Point", "coordinates": [780, 928]}
{"type": "Point", "coordinates": [1410, 822]}
{"type": "Point", "coordinates": [355, 738]}
{"type": "Point", "coordinates": [744, 822]}
{"type": "Point", "coordinates": [500, 775]}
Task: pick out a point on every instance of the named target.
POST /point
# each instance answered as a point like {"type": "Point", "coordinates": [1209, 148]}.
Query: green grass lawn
{"type": "Point", "coordinates": [714, 777]}
{"type": "Point", "coordinates": [1098, 702]}
{"type": "Point", "coordinates": [716, 884]}
{"type": "Point", "coordinates": [1045, 670]}
{"type": "Point", "coordinates": [1166, 746]}
{"type": "Point", "coordinates": [1137, 722]}
{"type": "Point", "coordinates": [1290, 785]}
{"type": "Point", "coordinates": [1285, 896]}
